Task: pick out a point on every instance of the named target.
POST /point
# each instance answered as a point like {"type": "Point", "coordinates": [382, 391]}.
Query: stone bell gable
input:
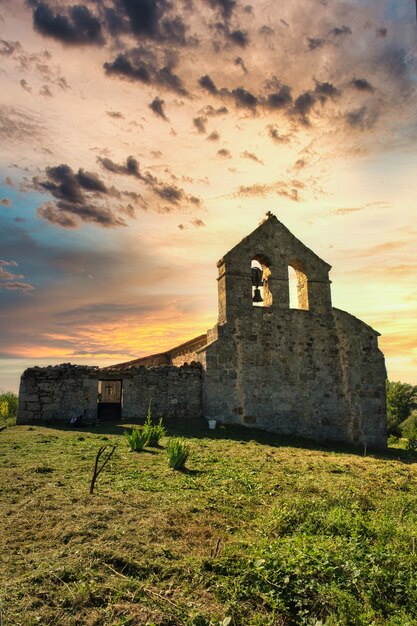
{"type": "Point", "coordinates": [313, 370]}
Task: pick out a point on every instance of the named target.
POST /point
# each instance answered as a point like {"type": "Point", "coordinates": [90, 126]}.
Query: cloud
{"type": "Point", "coordinates": [25, 86]}
{"type": "Point", "coordinates": [157, 106]}
{"type": "Point", "coordinates": [17, 124]}
{"type": "Point", "coordinates": [303, 106]}
{"type": "Point", "coordinates": [171, 193]}
{"type": "Point", "coordinates": [207, 83]}
{"type": "Point", "coordinates": [240, 62]}
{"type": "Point", "coordinates": [6, 275]}
{"type": "Point", "coordinates": [361, 84]}
{"type": "Point", "coordinates": [16, 286]}
{"type": "Point", "coordinates": [276, 136]}
{"type": "Point", "coordinates": [225, 154]}
{"type": "Point", "coordinates": [325, 90]}
{"type": "Point", "coordinates": [214, 136]}
{"type": "Point", "coordinates": [238, 37]}
{"type": "Point", "coordinates": [5, 202]}
{"type": "Point", "coordinates": [289, 189]}
{"type": "Point", "coordinates": [338, 31]}
{"type": "Point", "coordinates": [197, 223]}
{"type": "Point", "coordinates": [80, 196]}
{"type": "Point", "coordinates": [115, 115]}
{"type": "Point", "coordinates": [131, 168]}
{"type": "Point", "coordinates": [225, 7]}
{"type": "Point", "coordinates": [200, 124]}
{"type": "Point", "coordinates": [76, 26]}
{"type": "Point", "coordinates": [8, 263]}
{"type": "Point", "coordinates": [252, 156]}
{"type": "Point", "coordinates": [244, 98]}
{"type": "Point", "coordinates": [45, 91]}
{"type": "Point", "coordinates": [133, 65]}
{"type": "Point", "coordinates": [281, 98]}
{"type": "Point", "coordinates": [315, 43]}
{"type": "Point", "coordinates": [362, 118]}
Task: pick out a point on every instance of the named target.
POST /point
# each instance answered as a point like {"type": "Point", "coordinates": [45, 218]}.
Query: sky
{"type": "Point", "coordinates": [141, 139]}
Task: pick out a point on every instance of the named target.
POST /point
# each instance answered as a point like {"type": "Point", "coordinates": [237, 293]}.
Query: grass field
{"type": "Point", "coordinates": [259, 530]}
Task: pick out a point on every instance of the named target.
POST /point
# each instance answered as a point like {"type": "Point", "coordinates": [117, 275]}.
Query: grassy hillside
{"type": "Point", "coordinates": [261, 530]}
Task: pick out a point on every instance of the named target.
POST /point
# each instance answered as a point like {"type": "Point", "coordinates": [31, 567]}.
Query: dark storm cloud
{"type": "Point", "coordinates": [169, 193]}
{"type": "Point", "coordinates": [67, 185]}
{"type": "Point", "coordinates": [78, 196]}
{"type": "Point", "coordinates": [143, 15]}
{"type": "Point", "coordinates": [210, 111]}
{"type": "Point", "coordinates": [280, 99]}
{"type": "Point", "coordinates": [396, 60]}
{"type": "Point", "coordinates": [314, 43]}
{"type": "Point", "coordinates": [132, 65]}
{"type": "Point", "coordinates": [225, 7]}
{"type": "Point", "coordinates": [244, 98]}
{"type": "Point", "coordinates": [200, 124]}
{"type": "Point", "coordinates": [238, 37]}
{"type": "Point", "coordinates": [146, 19]}
{"type": "Point", "coordinates": [206, 83]}
{"type": "Point", "coordinates": [325, 90]}
{"type": "Point", "coordinates": [76, 26]}
{"type": "Point", "coordinates": [361, 84]}
{"type": "Point", "coordinates": [337, 31]}
{"type": "Point", "coordinates": [240, 62]}
{"type": "Point", "coordinates": [131, 168]}
{"type": "Point", "coordinates": [303, 106]}
{"type": "Point", "coordinates": [157, 106]}
{"type": "Point", "coordinates": [362, 118]}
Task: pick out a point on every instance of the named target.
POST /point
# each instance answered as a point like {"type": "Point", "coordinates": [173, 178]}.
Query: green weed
{"type": "Point", "coordinates": [178, 451]}
{"type": "Point", "coordinates": [153, 432]}
{"type": "Point", "coordinates": [136, 439]}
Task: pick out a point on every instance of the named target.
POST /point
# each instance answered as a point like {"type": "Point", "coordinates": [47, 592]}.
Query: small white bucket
{"type": "Point", "coordinates": [212, 424]}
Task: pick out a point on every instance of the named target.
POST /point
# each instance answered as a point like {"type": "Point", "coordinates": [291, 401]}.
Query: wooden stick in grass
{"type": "Point", "coordinates": [97, 470]}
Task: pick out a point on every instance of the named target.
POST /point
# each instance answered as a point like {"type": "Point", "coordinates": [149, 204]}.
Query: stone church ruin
{"type": "Point", "coordinates": [307, 369]}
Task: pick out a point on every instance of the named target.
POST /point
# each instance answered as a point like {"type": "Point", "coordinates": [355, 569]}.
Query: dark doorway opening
{"type": "Point", "coordinates": [109, 400]}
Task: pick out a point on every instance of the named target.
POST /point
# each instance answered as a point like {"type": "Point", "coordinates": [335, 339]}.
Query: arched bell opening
{"type": "Point", "coordinates": [298, 287]}
{"type": "Point", "coordinates": [260, 273]}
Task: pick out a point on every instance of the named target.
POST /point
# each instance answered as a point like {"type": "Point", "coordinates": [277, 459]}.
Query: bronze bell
{"type": "Point", "coordinates": [257, 296]}
{"type": "Point", "coordinates": [256, 275]}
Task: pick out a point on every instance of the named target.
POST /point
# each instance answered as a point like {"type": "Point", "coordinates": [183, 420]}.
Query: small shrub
{"type": "Point", "coordinates": [178, 451]}
{"type": "Point", "coordinates": [154, 432]}
{"type": "Point", "coordinates": [8, 407]}
{"type": "Point", "coordinates": [409, 430]}
{"type": "Point", "coordinates": [136, 439]}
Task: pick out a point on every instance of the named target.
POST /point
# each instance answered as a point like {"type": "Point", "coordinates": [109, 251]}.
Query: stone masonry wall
{"type": "Point", "coordinates": [57, 393]}
{"type": "Point", "coordinates": [65, 391]}
{"type": "Point", "coordinates": [295, 372]}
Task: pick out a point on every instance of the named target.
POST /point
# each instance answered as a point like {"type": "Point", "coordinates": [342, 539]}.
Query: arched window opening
{"type": "Point", "coordinates": [260, 273]}
{"type": "Point", "coordinates": [298, 288]}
